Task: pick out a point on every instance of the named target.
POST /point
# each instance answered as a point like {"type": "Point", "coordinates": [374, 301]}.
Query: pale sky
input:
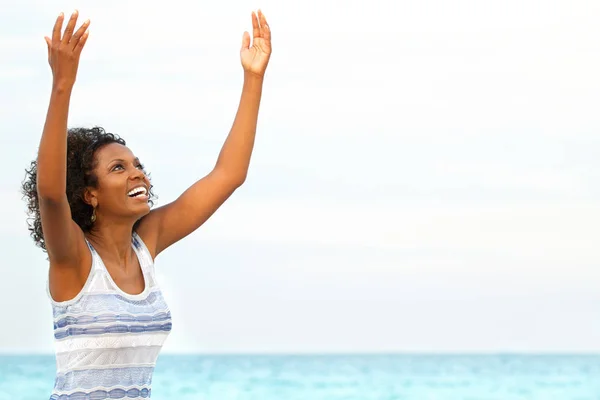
{"type": "Point", "coordinates": [426, 175]}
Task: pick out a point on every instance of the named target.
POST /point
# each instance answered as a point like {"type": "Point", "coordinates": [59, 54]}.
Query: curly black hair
{"type": "Point", "coordinates": [82, 144]}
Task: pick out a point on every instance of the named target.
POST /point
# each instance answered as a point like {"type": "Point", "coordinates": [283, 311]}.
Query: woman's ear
{"type": "Point", "coordinates": [89, 197]}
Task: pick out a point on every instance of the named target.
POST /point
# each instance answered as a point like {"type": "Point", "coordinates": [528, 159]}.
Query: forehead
{"type": "Point", "coordinates": [112, 151]}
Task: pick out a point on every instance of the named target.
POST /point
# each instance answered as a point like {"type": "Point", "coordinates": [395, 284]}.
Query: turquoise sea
{"type": "Point", "coordinates": [341, 377]}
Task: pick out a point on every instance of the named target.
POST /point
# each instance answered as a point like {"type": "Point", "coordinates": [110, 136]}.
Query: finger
{"type": "Point", "coordinates": [245, 41]}
{"type": "Point", "coordinates": [49, 44]}
{"type": "Point", "coordinates": [264, 27]}
{"type": "Point", "coordinates": [70, 27]}
{"type": "Point", "coordinates": [81, 42]}
{"type": "Point", "coordinates": [255, 26]}
{"type": "Point", "coordinates": [76, 37]}
{"type": "Point", "coordinates": [57, 28]}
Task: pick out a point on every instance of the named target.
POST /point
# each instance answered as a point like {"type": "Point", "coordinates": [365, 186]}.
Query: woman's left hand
{"type": "Point", "coordinates": [256, 57]}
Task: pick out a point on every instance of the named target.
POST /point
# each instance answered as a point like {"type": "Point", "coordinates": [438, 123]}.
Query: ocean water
{"type": "Point", "coordinates": [341, 377]}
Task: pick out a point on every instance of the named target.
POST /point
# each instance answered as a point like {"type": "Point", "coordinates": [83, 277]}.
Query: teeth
{"type": "Point", "coordinates": [136, 191]}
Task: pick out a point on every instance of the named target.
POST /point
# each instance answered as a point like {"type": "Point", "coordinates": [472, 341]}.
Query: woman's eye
{"type": "Point", "coordinates": [120, 166]}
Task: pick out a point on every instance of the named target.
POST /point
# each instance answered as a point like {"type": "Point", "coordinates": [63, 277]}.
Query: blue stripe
{"type": "Point", "coordinates": [110, 318]}
{"type": "Point", "coordinates": [115, 303]}
{"type": "Point", "coordinates": [137, 241]}
{"type": "Point", "coordinates": [106, 377]}
{"type": "Point", "coordinates": [100, 330]}
{"type": "Point", "coordinates": [104, 394]}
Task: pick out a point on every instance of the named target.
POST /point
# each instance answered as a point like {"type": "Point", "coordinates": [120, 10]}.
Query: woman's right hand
{"type": "Point", "coordinates": [64, 52]}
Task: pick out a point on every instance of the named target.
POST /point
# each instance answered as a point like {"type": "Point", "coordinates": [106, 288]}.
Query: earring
{"type": "Point", "coordinates": [93, 219]}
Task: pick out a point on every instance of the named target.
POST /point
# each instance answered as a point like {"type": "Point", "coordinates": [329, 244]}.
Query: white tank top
{"type": "Point", "coordinates": [107, 341]}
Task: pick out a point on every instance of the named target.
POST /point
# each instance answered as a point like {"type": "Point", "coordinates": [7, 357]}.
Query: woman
{"type": "Point", "coordinates": [90, 201]}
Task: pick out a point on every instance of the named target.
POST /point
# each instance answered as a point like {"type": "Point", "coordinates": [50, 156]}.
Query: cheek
{"type": "Point", "coordinates": [111, 187]}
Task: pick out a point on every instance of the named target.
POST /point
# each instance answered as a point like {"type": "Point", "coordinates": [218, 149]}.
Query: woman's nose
{"type": "Point", "coordinates": [137, 174]}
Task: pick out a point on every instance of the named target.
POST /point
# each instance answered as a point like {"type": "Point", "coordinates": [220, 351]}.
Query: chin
{"type": "Point", "coordinates": [141, 211]}
{"type": "Point", "coordinates": [146, 210]}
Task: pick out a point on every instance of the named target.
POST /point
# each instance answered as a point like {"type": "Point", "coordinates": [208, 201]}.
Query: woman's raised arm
{"type": "Point", "coordinates": [60, 231]}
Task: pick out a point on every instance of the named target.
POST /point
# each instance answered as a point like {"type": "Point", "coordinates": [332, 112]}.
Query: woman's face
{"type": "Point", "coordinates": [119, 172]}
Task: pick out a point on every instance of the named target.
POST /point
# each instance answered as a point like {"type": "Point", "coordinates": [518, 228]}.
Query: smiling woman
{"type": "Point", "coordinates": [90, 202]}
{"type": "Point", "coordinates": [86, 149]}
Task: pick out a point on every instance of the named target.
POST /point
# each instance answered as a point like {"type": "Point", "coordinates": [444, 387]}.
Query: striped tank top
{"type": "Point", "coordinates": [107, 341]}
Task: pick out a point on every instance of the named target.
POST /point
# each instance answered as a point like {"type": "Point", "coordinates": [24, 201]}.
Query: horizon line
{"type": "Point", "coordinates": [345, 353]}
